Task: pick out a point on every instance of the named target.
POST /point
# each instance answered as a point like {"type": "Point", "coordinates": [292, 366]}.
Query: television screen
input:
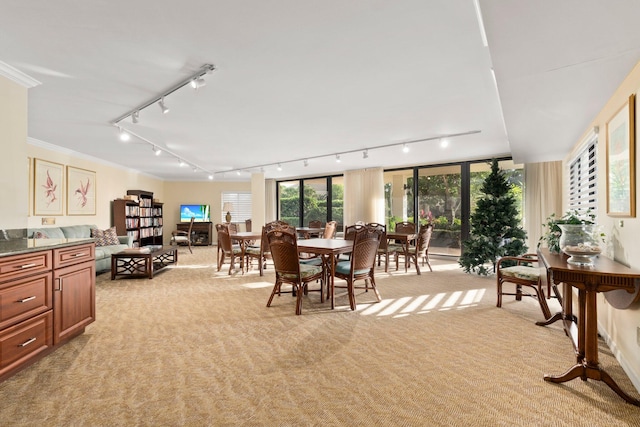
{"type": "Point", "coordinates": [201, 213]}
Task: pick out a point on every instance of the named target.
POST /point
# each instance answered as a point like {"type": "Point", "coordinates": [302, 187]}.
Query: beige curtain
{"type": "Point", "coordinates": [364, 196]}
{"type": "Point", "coordinates": [270, 200]}
{"type": "Point", "coordinates": [543, 196]}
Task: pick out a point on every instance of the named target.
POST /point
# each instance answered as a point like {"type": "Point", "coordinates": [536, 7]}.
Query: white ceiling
{"type": "Point", "coordinates": [299, 79]}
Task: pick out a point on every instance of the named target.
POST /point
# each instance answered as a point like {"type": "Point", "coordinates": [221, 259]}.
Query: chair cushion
{"type": "Point", "coordinates": [311, 261]}
{"type": "Point", "coordinates": [344, 268]}
{"type": "Point", "coordinates": [522, 272]}
{"type": "Point", "coordinates": [395, 247]}
{"type": "Point", "coordinates": [306, 271]}
{"type": "Point", "coordinates": [106, 237]}
{"type": "Point", "coordinates": [253, 250]}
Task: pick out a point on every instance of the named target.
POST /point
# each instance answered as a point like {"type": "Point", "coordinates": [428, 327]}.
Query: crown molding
{"type": "Point", "coordinates": [17, 76]}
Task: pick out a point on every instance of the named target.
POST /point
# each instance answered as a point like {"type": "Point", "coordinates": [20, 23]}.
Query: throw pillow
{"type": "Point", "coordinates": [40, 235]}
{"type": "Point", "coordinates": [106, 237]}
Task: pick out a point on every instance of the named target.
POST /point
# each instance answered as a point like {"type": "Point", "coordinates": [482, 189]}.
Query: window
{"type": "Point", "coordinates": [241, 203]}
{"type": "Point", "coordinates": [583, 179]}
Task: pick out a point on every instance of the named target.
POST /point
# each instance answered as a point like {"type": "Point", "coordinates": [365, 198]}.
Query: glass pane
{"type": "Point", "coordinates": [315, 200]}
{"type": "Point", "coordinates": [337, 201]}
{"type": "Point", "coordinates": [398, 197]}
{"type": "Point", "coordinates": [288, 203]}
{"type": "Point", "coordinates": [439, 202]}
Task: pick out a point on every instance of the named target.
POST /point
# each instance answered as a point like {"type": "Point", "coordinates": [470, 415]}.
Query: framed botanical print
{"type": "Point", "coordinates": [621, 172]}
{"type": "Point", "coordinates": [81, 191]}
{"type": "Point", "coordinates": [48, 180]}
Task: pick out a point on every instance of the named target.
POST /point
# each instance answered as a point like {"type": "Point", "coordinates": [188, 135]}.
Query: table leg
{"type": "Point", "coordinates": [331, 273]}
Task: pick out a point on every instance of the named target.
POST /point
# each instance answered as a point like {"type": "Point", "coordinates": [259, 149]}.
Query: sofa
{"type": "Point", "coordinates": [103, 253]}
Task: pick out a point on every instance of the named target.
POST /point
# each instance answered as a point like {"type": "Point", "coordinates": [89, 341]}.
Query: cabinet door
{"type": "Point", "coordinates": [73, 299]}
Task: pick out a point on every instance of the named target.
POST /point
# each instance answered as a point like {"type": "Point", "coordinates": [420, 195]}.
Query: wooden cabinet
{"type": "Point", "coordinates": [74, 290]}
{"type": "Point", "coordinates": [201, 231]}
{"type": "Point", "coordinates": [141, 219]}
{"type": "Point", "coordinates": [46, 297]}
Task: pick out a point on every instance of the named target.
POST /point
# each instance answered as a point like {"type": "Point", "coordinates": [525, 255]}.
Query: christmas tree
{"type": "Point", "coordinates": [495, 228]}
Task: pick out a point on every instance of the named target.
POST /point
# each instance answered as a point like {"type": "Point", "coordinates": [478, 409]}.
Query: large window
{"type": "Point", "coordinates": [241, 203]}
{"type": "Point", "coordinates": [444, 195]}
{"type": "Point", "coordinates": [304, 200]}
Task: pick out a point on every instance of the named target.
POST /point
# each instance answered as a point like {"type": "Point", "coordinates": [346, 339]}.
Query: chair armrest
{"type": "Point", "coordinates": [126, 240]}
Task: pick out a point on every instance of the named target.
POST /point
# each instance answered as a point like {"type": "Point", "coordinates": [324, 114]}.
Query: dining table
{"type": "Point", "coordinates": [243, 238]}
{"type": "Point", "coordinates": [405, 240]}
{"type": "Point", "coordinates": [328, 249]}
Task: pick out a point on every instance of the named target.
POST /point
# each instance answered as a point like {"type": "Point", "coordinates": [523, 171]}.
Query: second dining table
{"type": "Point", "coordinates": [328, 249]}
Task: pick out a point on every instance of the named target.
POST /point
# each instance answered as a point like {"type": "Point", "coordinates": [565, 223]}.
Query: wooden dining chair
{"type": "Point", "coordinates": [522, 271]}
{"type": "Point", "coordinates": [419, 250]}
{"type": "Point", "coordinates": [361, 266]}
{"type": "Point", "coordinates": [260, 252]}
{"type": "Point", "coordinates": [226, 248]}
{"type": "Point", "coordinates": [330, 229]}
{"type": "Point", "coordinates": [315, 224]}
{"type": "Point", "coordinates": [383, 248]}
{"type": "Point", "coordinates": [180, 236]}
{"type": "Point", "coordinates": [283, 245]}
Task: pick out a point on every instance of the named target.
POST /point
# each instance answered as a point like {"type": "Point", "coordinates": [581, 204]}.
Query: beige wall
{"type": "Point", "coordinates": [202, 193]}
{"type": "Point", "coordinates": [618, 326]}
{"type": "Point", "coordinates": [14, 181]}
{"type": "Point", "coordinates": [111, 183]}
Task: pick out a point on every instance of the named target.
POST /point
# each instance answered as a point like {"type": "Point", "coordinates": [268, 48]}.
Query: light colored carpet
{"type": "Point", "coordinates": [197, 347]}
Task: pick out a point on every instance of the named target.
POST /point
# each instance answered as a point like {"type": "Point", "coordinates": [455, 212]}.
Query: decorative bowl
{"type": "Point", "coordinates": [580, 242]}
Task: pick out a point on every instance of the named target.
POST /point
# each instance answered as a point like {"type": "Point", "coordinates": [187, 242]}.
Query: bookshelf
{"type": "Point", "coordinates": [141, 218]}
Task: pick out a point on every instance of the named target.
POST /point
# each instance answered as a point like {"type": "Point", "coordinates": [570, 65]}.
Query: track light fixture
{"type": "Point", "coordinates": [157, 150]}
{"type": "Point", "coordinates": [306, 163]}
{"type": "Point", "coordinates": [124, 135]}
{"type": "Point", "coordinates": [405, 148]}
{"type": "Point", "coordinates": [365, 154]}
{"type": "Point", "coordinates": [163, 107]}
{"type": "Point", "coordinates": [195, 79]}
{"type": "Point", "coordinates": [279, 167]}
{"type": "Point", "coordinates": [337, 158]}
{"type": "Point", "coordinates": [182, 163]}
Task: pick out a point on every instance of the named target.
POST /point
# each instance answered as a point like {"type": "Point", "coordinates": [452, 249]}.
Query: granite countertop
{"type": "Point", "coordinates": [21, 246]}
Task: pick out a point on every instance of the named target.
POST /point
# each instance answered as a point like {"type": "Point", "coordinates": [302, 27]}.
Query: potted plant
{"type": "Point", "coordinates": [552, 235]}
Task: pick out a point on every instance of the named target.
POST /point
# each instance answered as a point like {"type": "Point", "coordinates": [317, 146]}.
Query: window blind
{"type": "Point", "coordinates": [583, 186]}
{"type": "Point", "coordinates": [241, 202]}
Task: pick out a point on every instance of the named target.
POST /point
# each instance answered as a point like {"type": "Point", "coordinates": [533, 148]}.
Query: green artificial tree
{"type": "Point", "coordinates": [495, 228]}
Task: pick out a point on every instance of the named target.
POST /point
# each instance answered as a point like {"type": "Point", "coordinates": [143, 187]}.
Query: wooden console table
{"type": "Point", "coordinates": [606, 275]}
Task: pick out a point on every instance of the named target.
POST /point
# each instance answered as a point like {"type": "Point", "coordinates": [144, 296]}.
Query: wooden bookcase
{"type": "Point", "coordinates": [142, 219]}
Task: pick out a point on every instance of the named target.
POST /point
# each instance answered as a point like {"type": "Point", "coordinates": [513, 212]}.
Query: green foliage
{"type": "Point", "coordinates": [495, 225]}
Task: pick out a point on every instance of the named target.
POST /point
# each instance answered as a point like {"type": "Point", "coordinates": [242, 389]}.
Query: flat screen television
{"type": "Point", "coordinates": [201, 213]}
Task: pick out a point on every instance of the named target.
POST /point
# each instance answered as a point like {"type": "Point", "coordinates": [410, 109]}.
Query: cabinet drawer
{"type": "Point", "coordinates": [25, 340]}
{"type": "Point", "coordinates": [74, 254]}
{"type": "Point", "coordinates": [17, 266]}
{"type": "Point", "coordinates": [25, 298]}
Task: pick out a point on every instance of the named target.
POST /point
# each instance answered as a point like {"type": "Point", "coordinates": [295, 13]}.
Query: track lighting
{"type": "Point", "coordinates": [124, 135]}
{"type": "Point", "coordinates": [405, 148]}
{"type": "Point", "coordinates": [238, 173]}
{"type": "Point", "coordinates": [279, 167]}
{"type": "Point", "coordinates": [365, 154]}
{"type": "Point", "coordinates": [163, 107]}
{"type": "Point", "coordinates": [337, 158]}
{"type": "Point", "coordinates": [444, 143]}
{"type": "Point", "coordinates": [198, 82]}
{"type": "Point", "coordinates": [135, 116]}
{"type": "Point", "coordinates": [210, 177]}
{"type": "Point", "coordinates": [195, 169]}
{"type": "Point", "coordinates": [306, 163]}
{"type": "Point", "coordinates": [182, 163]}
{"type": "Point", "coordinates": [157, 150]}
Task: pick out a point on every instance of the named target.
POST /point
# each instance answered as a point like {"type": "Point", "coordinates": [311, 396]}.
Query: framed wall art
{"type": "Point", "coordinates": [621, 173]}
{"type": "Point", "coordinates": [47, 187]}
{"type": "Point", "coordinates": [81, 191]}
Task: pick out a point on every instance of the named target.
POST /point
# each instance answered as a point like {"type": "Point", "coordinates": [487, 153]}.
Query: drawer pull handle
{"type": "Point", "coordinates": [27, 342]}
{"type": "Point", "coordinates": [27, 299]}
{"type": "Point", "coordinates": [79, 254]}
{"type": "Point", "coordinates": [33, 264]}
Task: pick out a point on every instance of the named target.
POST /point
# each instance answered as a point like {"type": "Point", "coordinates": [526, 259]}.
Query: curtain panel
{"type": "Point", "coordinates": [364, 196]}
